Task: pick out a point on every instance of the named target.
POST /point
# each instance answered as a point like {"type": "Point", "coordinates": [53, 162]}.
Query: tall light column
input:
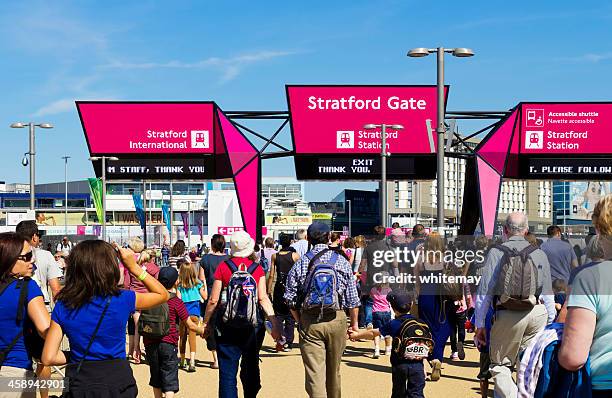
{"type": "Point", "coordinates": [66, 194]}
{"type": "Point", "coordinates": [440, 127]}
{"type": "Point", "coordinates": [32, 155]}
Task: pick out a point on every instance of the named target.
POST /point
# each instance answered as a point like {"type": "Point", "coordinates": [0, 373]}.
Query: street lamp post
{"type": "Point", "coordinates": [66, 193]}
{"type": "Point", "coordinates": [440, 128]}
{"type": "Point", "coordinates": [383, 165]}
{"type": "Point", "coordinates": [349, 217]}
{"type": "Point", "coordinates": [104, 159]}
{"type": "Point", "coordinates": [31, 154]}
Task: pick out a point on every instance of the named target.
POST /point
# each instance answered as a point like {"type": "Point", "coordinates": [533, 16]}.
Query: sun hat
{"type": "Point", "coordinates": [241, 244]}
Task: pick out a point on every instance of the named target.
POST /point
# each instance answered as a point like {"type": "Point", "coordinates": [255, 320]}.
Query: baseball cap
{"type": "Point", "coordinates": [167, 276]}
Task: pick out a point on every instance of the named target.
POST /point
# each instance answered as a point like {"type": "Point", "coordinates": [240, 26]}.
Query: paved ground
{"type": "Point", "coordinates": [362, 376]}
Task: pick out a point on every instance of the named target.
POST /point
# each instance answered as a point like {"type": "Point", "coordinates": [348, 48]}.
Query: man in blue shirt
{"type": "Point", "coordinates": [322, 334]}
{"type": "Point", "coordinates": [561, 255]}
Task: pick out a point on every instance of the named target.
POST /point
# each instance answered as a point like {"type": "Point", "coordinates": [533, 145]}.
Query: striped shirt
{"type": "Point", "coordinates": [347, 289]}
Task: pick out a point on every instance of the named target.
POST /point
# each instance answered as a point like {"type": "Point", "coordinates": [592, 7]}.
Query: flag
{"type": "Point", "coordinates": [95, 185]}
{"type": "Point", "coordinates": [185, 217]}
{"type": "Point", "coordinates": [166, 215]}
{"type": "Point", "coordinates": [139, 210]}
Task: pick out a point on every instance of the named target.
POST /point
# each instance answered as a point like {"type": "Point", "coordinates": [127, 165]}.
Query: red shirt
{"type": "Point", "coordinates": [224, 273]}
{"type": "Point", "coordinates": [177, 311]}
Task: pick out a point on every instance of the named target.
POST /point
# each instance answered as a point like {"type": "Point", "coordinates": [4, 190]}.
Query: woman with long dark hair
{"type": "Point", "coordinates": [178, 252]}
{"type": "Point", "coordinates": [277, 280]}
{"type": "Point", "coordinates": [21, 305]}
{"type": "Point", "coordinates": [92, 312]}
{"type": "Point", "coordinates": [208, 266]}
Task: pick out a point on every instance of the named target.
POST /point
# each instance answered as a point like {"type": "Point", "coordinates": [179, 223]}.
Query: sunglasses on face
{"type": "Point", "coordinates": [26, 257]}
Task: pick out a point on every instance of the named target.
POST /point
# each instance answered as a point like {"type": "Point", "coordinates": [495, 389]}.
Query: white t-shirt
{"type": "Point", "coordinates": [46, 269]}
{"type": "Point", "coordinates": [64, 249]}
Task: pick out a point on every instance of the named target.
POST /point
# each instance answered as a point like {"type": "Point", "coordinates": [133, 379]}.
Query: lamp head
{"type": "Point", "coordinates": [94, 158]}
{"type": "Point", "coordinates": [396, 126]}
{"type": "Point", "coordinates": [25, 161]}
{"type": "Point", "coordinates": [17, 125]}
{"type": "Point", "coordinates": [112, 158]}
{"type": "Point", "coordinates": [463, 52]}
{"type": "Point", "coordinates": [371, 126]}
{"type": "Point", "coordinates": [45, 125]}
{"type": "Point", "coordinates": [418, 52]}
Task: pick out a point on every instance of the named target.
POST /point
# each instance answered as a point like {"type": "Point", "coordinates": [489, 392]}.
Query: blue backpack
{"type": "Point", "coordinates": [320, 290]}
{"type": "Point", "coordinates": [556, 382]}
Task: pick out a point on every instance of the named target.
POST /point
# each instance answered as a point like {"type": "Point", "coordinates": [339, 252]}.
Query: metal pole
{"type": "Point", "coordinates": [104, 198]}
{"type": "Point", "coordinates": [32, 167]}
{"type": "Point", "coordinates": [189, 225]}
{"type": "Point", "coordinates": [383, 169]}
{"type": "Point", "coordinates": [349, 217]}
{"type": "Point", "coordinates": [66, 191]}
{"type": "Point", "coordinates": [440, 130]}
{"type": "Point", "coordinates": [171, 214]}
{"type": "Point", "coordinates": [144, 209]}
{"type": "Point", "coordinates": [457, 191]}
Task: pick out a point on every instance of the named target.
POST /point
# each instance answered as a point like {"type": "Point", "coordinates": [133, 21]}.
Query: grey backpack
{"type": "Point", "coordinates": [241, 308]}
{"type": "Point", "coordinates": [517, 285]}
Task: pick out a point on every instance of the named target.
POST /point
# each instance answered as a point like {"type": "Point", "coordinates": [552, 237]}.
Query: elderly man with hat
{"type": "Point", "coordinates": [323, 331]}
{"type": "Point", "coordinates": [239, 345]}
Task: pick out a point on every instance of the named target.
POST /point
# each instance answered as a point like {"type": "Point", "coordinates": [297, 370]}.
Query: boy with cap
{"type": "Point", "coordinates": [162, 353]}
{"type": "Point", "coordinates": [408, 375]}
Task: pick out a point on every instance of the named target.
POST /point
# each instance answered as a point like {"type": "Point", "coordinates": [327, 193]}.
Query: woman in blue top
{"type": "Point", "coordinates": [93, 312]}
{"type": "Point", "coordinates": [21, 305]}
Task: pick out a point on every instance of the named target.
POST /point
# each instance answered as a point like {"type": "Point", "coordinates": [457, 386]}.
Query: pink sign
{"type": "Point", "coordinates": [227, 231]}
{"type": "Point", "coordinates": [565, 128]}
{"type": "Point", "coordinates": [330, 119]}
{"type": "Point", "coordinates": [145, 128]}
{"type": "Point", "coordinates": [407, 231]}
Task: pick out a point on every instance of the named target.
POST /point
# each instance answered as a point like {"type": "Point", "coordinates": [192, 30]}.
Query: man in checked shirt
{"type": "Point", "coordinates": [322, 334]}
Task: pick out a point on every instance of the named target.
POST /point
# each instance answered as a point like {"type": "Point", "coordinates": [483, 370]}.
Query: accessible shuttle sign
{"type": "Point", "coordinates": [330, 142]}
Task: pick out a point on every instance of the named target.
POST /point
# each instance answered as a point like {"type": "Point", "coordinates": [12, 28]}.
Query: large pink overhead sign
{"type": "Point", "coordinates": [143, 128]}
{"type": "Point", "coordinates": [544, 140]}
{"type": "Point", "coordinates": [330, 119]}
{"type": "Point", "coordinates": [566, 128]}
{"type": "Point", "coordinates": [174, 141]}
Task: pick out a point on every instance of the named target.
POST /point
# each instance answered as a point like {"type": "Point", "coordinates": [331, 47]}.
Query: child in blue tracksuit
{"type": "Point", "coordinates": [408, 376]}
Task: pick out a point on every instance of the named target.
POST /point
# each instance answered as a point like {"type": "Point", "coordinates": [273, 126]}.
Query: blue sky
{"type": "Point", "coordinates": [241, 54]}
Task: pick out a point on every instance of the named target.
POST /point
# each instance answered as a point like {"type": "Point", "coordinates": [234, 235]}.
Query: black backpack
{"type": "Point", "coordinates": [414, 341]}
{"type": "Point", "coordinates": [22, 287]}
{"type": "Point", "coordinates": [154, 323]}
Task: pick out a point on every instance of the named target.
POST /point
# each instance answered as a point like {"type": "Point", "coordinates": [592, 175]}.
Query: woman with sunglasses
{"type": "Point", "coordinates": [22, 308]}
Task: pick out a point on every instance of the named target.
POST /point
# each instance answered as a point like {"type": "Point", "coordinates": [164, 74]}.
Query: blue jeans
{"type": "Point", "coordinates": [380, 319]}
{"type": "Point", "coordinates": [232, 345]}
{"type": "Point", "coordinates": [408, 380]}
{"type": "Point", "coordinates": [366, 304]}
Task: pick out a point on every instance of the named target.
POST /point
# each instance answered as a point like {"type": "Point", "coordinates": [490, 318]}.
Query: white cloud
{"type": "Point", "coordinates": [229, 67]}
{"type": "Point", "coordinates": [592, 58]}
{"type": "Point", "coordinates": [64, 105]}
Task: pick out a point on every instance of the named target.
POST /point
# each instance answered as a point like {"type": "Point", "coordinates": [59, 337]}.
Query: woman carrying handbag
{"type": "Point", "coordinates": [93, 312]}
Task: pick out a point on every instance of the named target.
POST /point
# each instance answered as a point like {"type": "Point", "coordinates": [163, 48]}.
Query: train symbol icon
{"type": "Point", "coordinates": [534, 139]}
{"type": "Point", "coordinates": [200, 139]}
{"type": "Point", "coordinates": [535, 118]}
{"type": "Point", "coordinates": [345, 139]}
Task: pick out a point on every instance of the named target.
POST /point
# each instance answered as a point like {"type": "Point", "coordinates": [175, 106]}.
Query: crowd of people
{"type": "Point", "coordinates": [325, 288]}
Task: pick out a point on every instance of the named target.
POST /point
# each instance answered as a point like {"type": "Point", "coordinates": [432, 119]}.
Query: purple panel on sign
{"type": "Point", "coordinates": [489, 182]}
{"type": "Point", "coordinates": [495, 148]}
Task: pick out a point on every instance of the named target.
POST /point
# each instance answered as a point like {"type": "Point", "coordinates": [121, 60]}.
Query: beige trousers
{"type": "Point", "coordinates": [322, 344]}
{"type": "Point", "coordinates": [511, 333]}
